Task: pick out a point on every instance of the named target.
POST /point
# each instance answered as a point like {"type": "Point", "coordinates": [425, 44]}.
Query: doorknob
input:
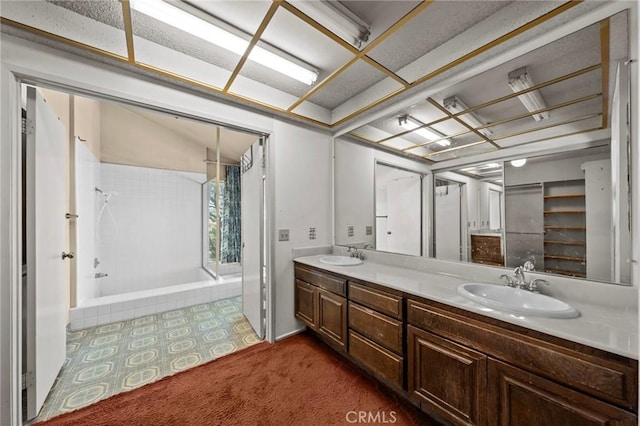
{"type": "Point", "coordinates": [70, 255]}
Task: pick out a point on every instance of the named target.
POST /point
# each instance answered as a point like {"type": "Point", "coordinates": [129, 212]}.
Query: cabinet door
{"type": "Point", "coordinates": [517, 397]}
{"type": "Point", "coordinates": [332, 317]}
{"type": "Point", "coordinates": [449, 380]}
{"type": "Point", "coordinates": [306, 303]}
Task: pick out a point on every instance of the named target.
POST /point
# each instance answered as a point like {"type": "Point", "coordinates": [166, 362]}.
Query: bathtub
{"type": "Point", "coordinates": [118, 307]}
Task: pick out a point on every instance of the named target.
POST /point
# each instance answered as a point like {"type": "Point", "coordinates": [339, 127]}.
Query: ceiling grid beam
{"type": "Point", "coordinates": [128, 30]}
{"type": "Point", "coordinates": [461, 121]}
{"type": "Point", "coordinates": [359, 54]}
{"type": "Point", "coordinates": [256, 38]}
{"type": "Point", "coordinates": [130, 59]}
{"type": "Point", "coordinates": [499, 100]}
{"type": "Point", "coordinates": [515, 118]}
{"type": "Point", "coordinates": [470, 55]}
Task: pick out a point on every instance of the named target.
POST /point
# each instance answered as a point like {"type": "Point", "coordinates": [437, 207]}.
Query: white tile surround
{"type": "Point", "coordinates": [108, 309]}
{"type": "Point", "coordinates": [88, 204]}
{"type": "Point", "coordinates": [150, 235]}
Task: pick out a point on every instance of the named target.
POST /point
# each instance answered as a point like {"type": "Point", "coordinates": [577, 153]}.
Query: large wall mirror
{"type": "Point", "coordinates": [528, 160]}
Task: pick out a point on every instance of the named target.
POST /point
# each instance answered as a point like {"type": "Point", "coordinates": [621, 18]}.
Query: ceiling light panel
{"type": "Point", "coordinates": [536, 131]}
{"type": "Point", "coordinates": [438, 23]}
{"type": "Point", "coordinates": [380, 15]}
{"type": "Point", "coordinates": [347, 85]}
{"type": "Point", "coordinates": [95, 23]}
{"type": "Point", "coordinates": [462, 152]}
{"type": "Point", "coordinates": [213, 32]}
{"type": "Point", "coordinates": [302, 41]}
{"type": "Point", "coordinates": [338, 19]}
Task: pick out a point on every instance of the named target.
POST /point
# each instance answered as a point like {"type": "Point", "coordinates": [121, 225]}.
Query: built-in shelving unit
{"type": "Point", "coordinates": [565, 228]}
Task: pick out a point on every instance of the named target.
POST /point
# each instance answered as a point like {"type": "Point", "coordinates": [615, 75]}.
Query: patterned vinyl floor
{"type": "Point", "coordinates": [105, 360]}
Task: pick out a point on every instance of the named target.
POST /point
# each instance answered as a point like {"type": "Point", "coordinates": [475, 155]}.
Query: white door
{"type": "Point", "coordinates": [46, 313]}
{"type": "Point", "coordinates": [447, 222]}
{"type": "Point", "coordinates": [253, 294]}
{"type": "Point", "coordinates": [404, 215]}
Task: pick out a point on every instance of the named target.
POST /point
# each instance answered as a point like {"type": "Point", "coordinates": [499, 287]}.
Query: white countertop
{"type": "Point", "coordinates": [610, 329]}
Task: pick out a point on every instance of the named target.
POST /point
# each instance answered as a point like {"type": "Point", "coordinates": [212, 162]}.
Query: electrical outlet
{"type": "Point", "coordinates": [350, 231]}
{"type": "Point", "coordinates": [369, 230]}
{"type": "Point", "coordinates": [312, 233]}
{"type": "Point", "coordinates": [283, 235]}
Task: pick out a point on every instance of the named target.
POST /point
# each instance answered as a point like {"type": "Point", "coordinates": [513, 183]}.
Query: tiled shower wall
{"type": "Point", "coordinates": [150, 234]}
{"type": "Point", "coordinates": [88, 202]}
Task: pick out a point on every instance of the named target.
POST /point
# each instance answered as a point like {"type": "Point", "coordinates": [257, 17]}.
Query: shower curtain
{"type": "Point", "coordinates": [230, 250]}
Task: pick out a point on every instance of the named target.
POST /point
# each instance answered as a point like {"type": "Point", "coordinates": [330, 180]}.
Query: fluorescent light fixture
{"type": "Point", "coordinates": [207, 31]}
{"type": "Point", "coordinates": [336, 18]}
{"type": "Point", "coordinates": [519, 163]}
{"type": "Point", "coordinates": [454, 105]}
{"type": "Point", "coordinates": [520, 80]}
{"type": "Point", "coordinates": [410, 123]}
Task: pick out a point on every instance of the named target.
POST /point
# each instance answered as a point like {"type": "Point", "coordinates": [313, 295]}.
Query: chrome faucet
{"type": "Point", "coordinates": [518, 275]}
{"type": "Point", "coordinates": [518, 280]}
{"type": "Point", "coordinates": [533, 285]}
{"type": "Point", "coordinates": [354, 252]}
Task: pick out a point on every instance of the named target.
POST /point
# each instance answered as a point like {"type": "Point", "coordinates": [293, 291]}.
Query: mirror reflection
{"type": "Point", "coordinates": [524, 162]}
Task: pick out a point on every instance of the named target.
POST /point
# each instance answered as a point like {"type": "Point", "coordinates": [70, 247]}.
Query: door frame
{"type": "Point", "coordinates": [11, 80]}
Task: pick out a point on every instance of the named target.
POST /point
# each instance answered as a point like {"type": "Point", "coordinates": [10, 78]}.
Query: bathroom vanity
{"type": "Point", "coordinates": [465, 364]}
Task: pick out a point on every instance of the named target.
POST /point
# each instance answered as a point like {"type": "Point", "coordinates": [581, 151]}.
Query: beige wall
{"type": "Point", "coordinates": [87, 122]}
{"type": "Point", "coordinates": [130, 138]}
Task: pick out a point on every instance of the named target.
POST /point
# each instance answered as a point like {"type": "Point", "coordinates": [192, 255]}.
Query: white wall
{"type": "Point", "coordinates": [87, 171]}
{"type": "Point", "coordinates": [355, 187]}
{"type": "Point", "coordinates": [150, 233]}
{"type": "Point", "coordinates": [302, 171]}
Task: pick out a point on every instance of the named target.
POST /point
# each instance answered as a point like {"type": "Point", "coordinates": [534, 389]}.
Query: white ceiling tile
{"type": "Point", "coordinates": [94, 23]}
{"type": "Point", "coordinates": [437, 24]}
{"type": "Point", "coordinates": [356, 78]}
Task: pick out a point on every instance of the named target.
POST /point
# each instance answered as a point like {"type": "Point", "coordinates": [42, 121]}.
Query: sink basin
{"type": "Point", "coordinates": [516, 300]}
{"type": "Point", "coordinates": [340, 260]}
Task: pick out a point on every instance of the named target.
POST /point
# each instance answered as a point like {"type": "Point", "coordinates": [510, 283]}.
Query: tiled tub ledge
{"type": "Point", "coordinates": [108, 309]}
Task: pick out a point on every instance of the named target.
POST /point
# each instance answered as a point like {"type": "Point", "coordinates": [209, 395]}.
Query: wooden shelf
{"type": "Point", "coordinates": [571, 258]}
{"type": "Point", "coordinates": [564, 211]}
{"type": "Point", "coordinates": [565, 272]}
{"type": "Point", "coordinates": [550, 197]}
{"type": "Point", "coordinates": [566, 243]}
{"type": "Point", "coordinates": [571, 228]}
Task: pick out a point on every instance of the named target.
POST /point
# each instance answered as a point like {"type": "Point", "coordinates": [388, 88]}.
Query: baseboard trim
{"type": "Point", "coordinates": [292, 333]}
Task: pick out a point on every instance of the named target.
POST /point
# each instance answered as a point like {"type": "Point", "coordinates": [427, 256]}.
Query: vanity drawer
{"type": "Point", "coordinates": [373, 356]}
{"type": "Point", "coordinates": [384, 302]}
{"type": "Point", "coordinates": [322, 280]}
{"type": "Point", "coordinates": [377, 327]}
{"type": "Point", "coordinates": [606, 376]}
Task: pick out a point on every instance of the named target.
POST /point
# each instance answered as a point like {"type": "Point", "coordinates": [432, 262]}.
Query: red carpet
{"type": "Point", "coordinates": [294, 382]}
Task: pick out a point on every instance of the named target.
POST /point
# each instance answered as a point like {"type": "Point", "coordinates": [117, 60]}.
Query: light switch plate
{"type": "Point", "coordinates": [283, 235]}
{"type": "Point", "coordinates": [369, 230]}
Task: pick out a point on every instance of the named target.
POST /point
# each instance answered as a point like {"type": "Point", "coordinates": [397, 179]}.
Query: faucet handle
{"type": "Point", "coordinates": [533, 285]}
{"type": "Point", "coordinates": [508, 281]}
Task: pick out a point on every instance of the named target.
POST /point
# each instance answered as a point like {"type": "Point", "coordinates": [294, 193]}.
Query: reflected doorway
{"type": "Point", "coordinates": [398, 207]}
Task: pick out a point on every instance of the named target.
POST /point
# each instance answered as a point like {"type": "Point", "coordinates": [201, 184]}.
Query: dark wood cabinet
{"type": "Point", "coordinates": [332, 317]}
{"type": "Point", "coordinates": [464, 368]}
{"type": "Point", "coordinates": [517, 397]}
{"type": "Point", "coordinates": [486, 249]}
{"type": "Point", "coordinates": [322, 310]}
{"type": "Point", "coordinates": [306, 303]}
{"type": "Point", "coordinates": [449, 380]}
